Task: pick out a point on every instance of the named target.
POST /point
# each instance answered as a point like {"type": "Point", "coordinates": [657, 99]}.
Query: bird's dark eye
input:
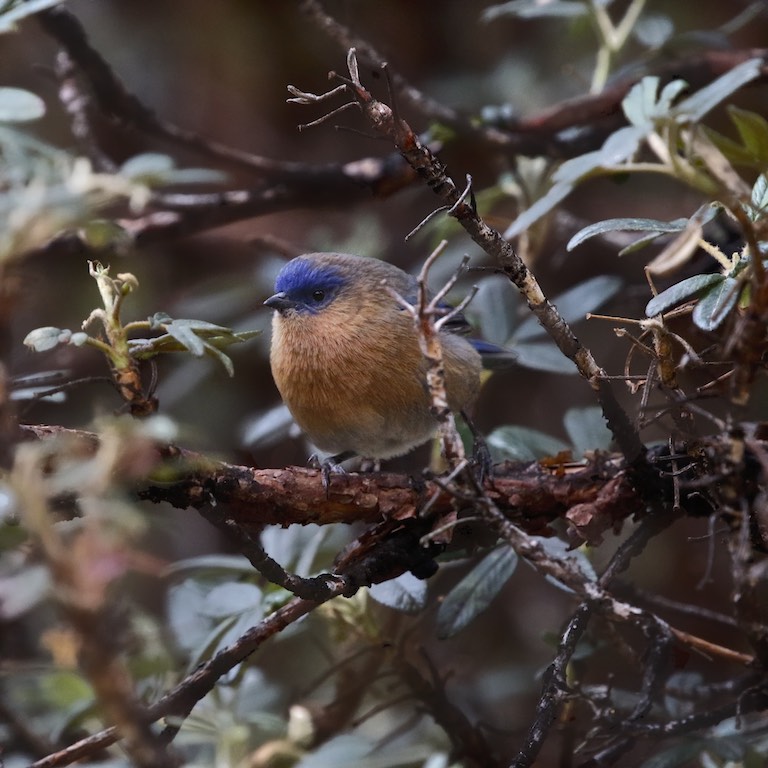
{"type": "Point", "coordinates": [318, 295]}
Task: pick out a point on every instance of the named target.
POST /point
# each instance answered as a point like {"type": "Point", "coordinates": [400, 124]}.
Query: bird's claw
{"type": "Point", "coordinates": [329, 466]}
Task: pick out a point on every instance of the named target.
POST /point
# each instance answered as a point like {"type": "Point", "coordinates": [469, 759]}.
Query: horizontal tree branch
{"type": "Point", "coordinates": [594, 496]}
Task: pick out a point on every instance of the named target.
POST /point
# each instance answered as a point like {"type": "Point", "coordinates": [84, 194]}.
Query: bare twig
{"type": "Point", "coordinates": [555, 689]}
{"type": "Point", "coordinates": [424, 314]}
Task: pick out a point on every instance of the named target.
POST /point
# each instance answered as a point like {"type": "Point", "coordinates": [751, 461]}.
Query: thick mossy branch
{"type": "Point", "coordinates": [592, 497]}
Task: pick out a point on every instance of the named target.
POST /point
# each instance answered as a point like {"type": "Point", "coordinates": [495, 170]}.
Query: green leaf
{"type": "Point", "coordinates": [540, 208]}
{"type": "Point", "coordinates": [211, 564]}
{"type": "Point", "coordinates": [406, 593]}
{"type": "Point", "coordinates": [758, 204]}
{"type": "Point", "coordinates": [639, 103]}
{"type": "Point", "coordinates": [626, 225]}
{"type": "Point", "coordinates": [678, 292]}
{"type": "Point", "coordinates": [620, 145]}
{"type": "Point", "coordinates": [19, 106]}
{"type": "Point", "coordinates": [734, 152]}
{"type": "Point", "coordinates": [641, 242]}
{"type": "Point", "coordinates": [753, 131]}
{"type": "Point", "coordinates": [574, 304]}
{"type": "Point", "coordinates": [558, 549]}
{"type": "Point", "coordinates": [493, 310]}
{"type": "Point", "coordinates": [303, 548]}
{"type": "Point", "coordinates": [147, 166]}
{"type": "Point", "coordinates": [64, 688]}
{"type": "Point", "coordinates": [668, 95]}
{"type": "Point", "coordinates": [696, 106]}
{"type": "Point", "coordinates": [474, 593]}
{"type": "Point", "coordinates": [48, 337]}
{"type": "Point", "coordinates": [653, 30]}
{"type": "Point", "coordinates": [186, 336]}
{"type": "Point", "coordinates": [577, 168]}
{"type": "Point", "coordinates": [713, 307]}
{"type": "Point", "coordinates": [154, 168]}
{"type": "Point", "coordinates": [267, 428]}
{"type": "Point", "coordinates": [196, 336]}
{"type": "Point", "coordinates": [587, 429]}
{"type": "Point", "coordinates": [531, 9]}
{"type": "Point", "coordinates": [543, 356]}
{"type": "Point", "coordinates": [232, 598]}
{"type": "Point", "coordinates": [9, 18]}
{"type": "Point", "coordinates": [641, 108]}
{"type": "Point", "coordinates": [193, 176]}
{"type": "Point", "coordinates": [523, 444]}
{"type": "Point", "coordinates": [680, 249]}
{"type": "Point", "coordinates": [106, 233]}
{"type": "Point", "coordinates": [22, 590]}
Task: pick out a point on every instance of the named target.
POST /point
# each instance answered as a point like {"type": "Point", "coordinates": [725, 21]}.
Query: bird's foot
{"type": "Point", "coordinates": [330, 465]}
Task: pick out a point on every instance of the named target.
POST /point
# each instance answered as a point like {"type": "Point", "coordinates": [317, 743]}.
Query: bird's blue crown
{"type": "Point", "coordinates": [314, 285]}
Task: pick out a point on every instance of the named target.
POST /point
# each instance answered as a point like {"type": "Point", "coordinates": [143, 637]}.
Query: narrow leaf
{"type": "Point", "coordinates": [540, 208]}
{"type": "Point", "coordinates": [681, 248]}
{"type": "Point", "coordinates": [48, 337]}
{"type": "Point", "coordinates": [20, 106]}
{"type": "Point", "coordinates": [543, 356]}
{"type": "Point", "coordinates": [406, 593]}
{"type": "Point", "coordinates": [759, 198]}
{"type": "Point", "coordinates": [211, 563]}
{"type": "Point", "coordinates": [560, 550]}
{"type": "Point", "coordinates": [523, 444]}
{"type": "Point", "coordinates": [713, 307]}
{"type": "Point", "coordinates": [626, 225]}
{"type": "Point", "coordinates": [678, 292]}
{"type": "Point", "coordinates": [587, 429]}
{"type": "Point", "coordinates": [753, 131]}
{"type": "Point", "coordinates": [641, 242]}
{"type": "Point", "coordinates": [621, 145]}
{"type": "Point", "coordinates": [653, 30]}
{"type": "Point", "coordinates": [148, 165]}
{"type": "Point", "coordinates": [574, 304]}
{"type": "Point", "coordinates": [530, 9]}
{"type": "Point", "coordinates": [734, 152]}
{"type": "Point", "coordinates": [186, 337]}
{"type": "Point", "coordinates": [9, 18]}
{"type": "Point", "coordinates": [578, 167]}
{"type": "Point", "coordinates": [696, 106]}
{"type": "Point", "coordinates": [638, 104]}
{"type": "Point", "coordinates": [474, 593]}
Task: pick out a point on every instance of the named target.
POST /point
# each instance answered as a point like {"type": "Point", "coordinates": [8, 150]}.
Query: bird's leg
{"type": "Point", "coordinates": [331, 465]}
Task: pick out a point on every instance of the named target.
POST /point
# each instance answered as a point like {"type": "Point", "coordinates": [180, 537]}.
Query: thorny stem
{"type": "Point", "coordinates": [424, 313]}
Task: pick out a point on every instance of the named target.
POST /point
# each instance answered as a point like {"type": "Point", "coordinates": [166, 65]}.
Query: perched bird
{"type": "Point", "coordinates": [346, 359]}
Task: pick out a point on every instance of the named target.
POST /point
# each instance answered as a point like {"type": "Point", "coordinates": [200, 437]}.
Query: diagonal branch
{"type": "Point", "coordinates": [433, 172]}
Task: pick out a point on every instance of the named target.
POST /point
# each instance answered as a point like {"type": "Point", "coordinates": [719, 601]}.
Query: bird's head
{"type": "Point", "coordinates": [309, 284]}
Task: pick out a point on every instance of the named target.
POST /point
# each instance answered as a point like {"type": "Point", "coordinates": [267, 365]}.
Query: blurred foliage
{"type": "Point", "coordinates": [687, 170]}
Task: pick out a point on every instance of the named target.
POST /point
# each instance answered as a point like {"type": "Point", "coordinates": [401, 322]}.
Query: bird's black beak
{"type": "Point", "coordinates": [280, 302]}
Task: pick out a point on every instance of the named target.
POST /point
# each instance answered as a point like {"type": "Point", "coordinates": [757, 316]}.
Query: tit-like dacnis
{"type": "Point", "coordinates": [346, 359]}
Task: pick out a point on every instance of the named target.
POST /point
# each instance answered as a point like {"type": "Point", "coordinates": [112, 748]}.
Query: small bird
{"type": "Point", "coordinates": [346, 359]}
